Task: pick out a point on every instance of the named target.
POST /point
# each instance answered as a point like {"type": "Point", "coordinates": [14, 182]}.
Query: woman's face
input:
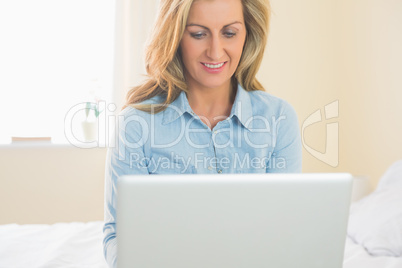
{"type": "Point", "coordinates": [212, 42]}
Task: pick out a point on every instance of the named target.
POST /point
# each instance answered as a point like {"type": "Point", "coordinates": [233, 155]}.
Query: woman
{"type": "Point", "coordinates": [202, 110]}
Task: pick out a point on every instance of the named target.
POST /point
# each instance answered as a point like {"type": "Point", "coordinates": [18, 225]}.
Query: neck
{"type": "Point", "coordinates": [211, 101]}
{"type": "Point", "coordinates": [211, 104]}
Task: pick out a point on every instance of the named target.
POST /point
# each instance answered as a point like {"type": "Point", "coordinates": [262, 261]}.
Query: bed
{"type": "Point", "coordinates": [74, 244]}
{"type": "Point", "coordinates": [356, 256]}
{"type": "Point", "coordinates": [80, 245]}
{"type": "Point", "coordinates": [374, 237]}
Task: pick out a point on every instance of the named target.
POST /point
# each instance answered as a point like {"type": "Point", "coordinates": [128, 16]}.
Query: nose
{"type": "Point", "coordinates": [216, 48]}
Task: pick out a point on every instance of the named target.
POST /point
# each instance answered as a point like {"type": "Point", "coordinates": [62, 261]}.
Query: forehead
{"type": "Point", "coordinates": [215, 12]}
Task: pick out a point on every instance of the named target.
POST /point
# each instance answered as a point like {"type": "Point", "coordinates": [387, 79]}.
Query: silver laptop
{"type": "Point", "coordinates": [232, 221]}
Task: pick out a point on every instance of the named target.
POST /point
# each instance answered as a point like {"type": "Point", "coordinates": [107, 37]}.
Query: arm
{"type": "Point", "coordinates": [127, 157]}
{"type": "Point", "coordinates": [287, 154]}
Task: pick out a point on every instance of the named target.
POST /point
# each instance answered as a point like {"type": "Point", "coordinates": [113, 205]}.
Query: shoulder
{"type": "Point", "coordinates": [136, 120]}
{"type": "Point", "coordinates": [264, 103]}
{"type": "Point", "coordinates": [132, 111]}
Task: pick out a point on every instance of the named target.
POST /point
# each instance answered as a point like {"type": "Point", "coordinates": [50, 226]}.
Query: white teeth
{"type": "Point", "coordinates": [214, 66]}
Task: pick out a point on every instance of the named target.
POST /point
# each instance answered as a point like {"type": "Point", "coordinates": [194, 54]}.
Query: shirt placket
{"type": "Point", "coordinates": [216, 140]}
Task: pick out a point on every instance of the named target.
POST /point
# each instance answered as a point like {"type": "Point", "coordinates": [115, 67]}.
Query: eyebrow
{"type": "Point", "coordinates": [194, 24]}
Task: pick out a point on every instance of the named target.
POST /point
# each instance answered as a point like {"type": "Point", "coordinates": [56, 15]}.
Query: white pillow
{"type": "Point", "coordinates": [375, 222]}
{"type": "Point", "coordinates": [392, 177]}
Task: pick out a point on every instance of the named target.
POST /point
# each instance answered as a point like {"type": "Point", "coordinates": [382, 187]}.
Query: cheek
{"type": "Point", "coordinates": [236, 50]}
{"type": "Point", "coordinates": [189, 50]}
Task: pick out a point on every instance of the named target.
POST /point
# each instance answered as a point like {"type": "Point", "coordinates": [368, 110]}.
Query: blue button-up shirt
{"type": "Point", "coordinates": [261, 135]}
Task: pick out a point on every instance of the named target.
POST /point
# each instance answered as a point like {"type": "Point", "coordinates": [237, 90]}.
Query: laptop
{"type": "Point", "coordinates": [232, 220]}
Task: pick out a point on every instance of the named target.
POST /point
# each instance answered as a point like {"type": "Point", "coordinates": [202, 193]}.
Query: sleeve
{"type": "Point", "coordinates": [126, 157]}
{"type": "Point", "coordinates": [287, 153]}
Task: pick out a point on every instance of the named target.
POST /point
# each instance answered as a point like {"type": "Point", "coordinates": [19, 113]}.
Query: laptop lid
{"type": "Point", "coordinates": [232, 220]}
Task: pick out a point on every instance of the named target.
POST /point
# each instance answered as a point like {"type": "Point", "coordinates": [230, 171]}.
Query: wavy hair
{"type": "Point", "coordinates": [163, 61]}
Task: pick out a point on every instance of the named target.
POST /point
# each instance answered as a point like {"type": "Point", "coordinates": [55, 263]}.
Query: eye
{"type": "Point", "coordinates": [229, 34]}
{"type": "Point", "coordinates": [198, 35]}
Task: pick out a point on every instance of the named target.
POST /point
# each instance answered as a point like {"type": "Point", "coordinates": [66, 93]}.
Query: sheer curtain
{"type": "Point", "coordinates": [134, 21]}
{"type": "Point", "coordinates": [53, 56]}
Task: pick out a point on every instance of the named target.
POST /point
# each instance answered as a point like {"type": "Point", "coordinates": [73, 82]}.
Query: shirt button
{"type": "Point", "coordinates": [215, 131]}
{"type": "Point", "coordinates": [210, 168]}
{"type": "Point", "coordinates": [192, 113]}
{"type": "Point", "coordinates": [220, 171]}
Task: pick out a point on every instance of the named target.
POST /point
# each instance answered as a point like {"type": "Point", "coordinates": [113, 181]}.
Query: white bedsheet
{"type": "Point", "coordinates": [58, 245]}
{"type": "Point", "coordinates": [357, 257]}
{"type": "Point", "coordinates": [80, 245]}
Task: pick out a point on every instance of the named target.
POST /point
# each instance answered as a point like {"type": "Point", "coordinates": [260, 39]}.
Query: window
{"type": "Point", "coordinates": [54, 55]}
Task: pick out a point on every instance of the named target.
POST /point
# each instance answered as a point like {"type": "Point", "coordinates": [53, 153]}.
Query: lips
{"type": "Point", "coordinates": [213, 67]}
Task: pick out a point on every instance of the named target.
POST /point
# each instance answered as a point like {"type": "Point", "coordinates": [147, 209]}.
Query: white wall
{"type": "Point", "coordinates": [371, 69]}
{"type": "Point", "coordinates": [301, 66]}
{"type": "Point", "coordinates": [321, 51]}
{"type": "Point", "coordinates": [48, 184]}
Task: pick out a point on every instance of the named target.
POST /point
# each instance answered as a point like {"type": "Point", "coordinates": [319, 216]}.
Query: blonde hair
{"type": "Point", "coordinates": [163, 61]}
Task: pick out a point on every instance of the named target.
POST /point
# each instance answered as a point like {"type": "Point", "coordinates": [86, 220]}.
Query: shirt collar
{"type": "Point", "coordinates": [241, 108]}
{"type": "Point", "coordinates": [176, 109]}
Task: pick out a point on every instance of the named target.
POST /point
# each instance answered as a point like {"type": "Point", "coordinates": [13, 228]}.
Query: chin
{"type": "Point", "coordinates": [213, 83]}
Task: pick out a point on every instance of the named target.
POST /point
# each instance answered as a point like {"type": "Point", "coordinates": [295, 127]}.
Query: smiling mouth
{"type": "Point", "coordinates": [213, 66]}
